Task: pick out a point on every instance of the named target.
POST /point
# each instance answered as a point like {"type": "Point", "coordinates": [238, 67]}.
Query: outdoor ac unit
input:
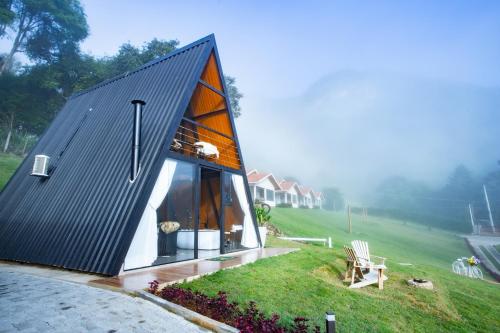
{"type": "Point", "coordinates": [41, 166]}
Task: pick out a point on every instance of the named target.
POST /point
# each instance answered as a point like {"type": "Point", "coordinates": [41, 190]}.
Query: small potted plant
{"type": "Point", "coordinates": [263, 217]}
{"type": "Point", "coordinates": [167, 238]}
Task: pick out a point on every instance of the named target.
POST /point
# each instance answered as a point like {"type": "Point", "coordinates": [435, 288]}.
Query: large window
{"type": "Point", "coordinates": [177, 207]}
{"type": "Point", "coordinates": [269, 195]}
{"type": "Point", "coordinates": [260, 193]}
{"type": "Point", "coordinates": [166, 229]}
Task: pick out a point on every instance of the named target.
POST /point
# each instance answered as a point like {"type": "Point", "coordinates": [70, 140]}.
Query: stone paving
{"type": "Point", "coordinates": [488, 242]}
{"type": "Point", "coordinates": [30, 303]}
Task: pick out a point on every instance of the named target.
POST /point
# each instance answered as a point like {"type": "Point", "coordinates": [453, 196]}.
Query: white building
{"type": "Point", "coordinates": [263, 187]}
{"type": "Point", "coordinates": [288, 194]}
{"type": "Point", "coordinates": [317, 200]}
{"type": "Point", "coordinates": [305, 197]}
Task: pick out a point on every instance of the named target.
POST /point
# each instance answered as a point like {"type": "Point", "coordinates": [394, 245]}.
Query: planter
{"type": "Point", "coordinates": [167, 243]}
{"type": "Point", "coordinates": [263, 235]}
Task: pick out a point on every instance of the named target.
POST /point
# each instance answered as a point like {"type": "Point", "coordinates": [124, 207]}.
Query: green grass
{"type": "Point", "coordinates": [8, 164]}
{"type": "Point", "coordinates": [308, 282]}
{"type": "Point", "coordinates": [497, 247]}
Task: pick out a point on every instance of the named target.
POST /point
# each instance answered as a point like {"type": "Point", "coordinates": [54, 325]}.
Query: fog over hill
{"type": "Point", "coordinates": [354, 129]}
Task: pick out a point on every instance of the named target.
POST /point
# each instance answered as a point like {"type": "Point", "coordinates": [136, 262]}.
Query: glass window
{"type": "Point", "coordinates": [260, 193]}
{"type": "Point", "coordinates": [177, 211]}
{"type": "Point", "coordinates": [269, 195]}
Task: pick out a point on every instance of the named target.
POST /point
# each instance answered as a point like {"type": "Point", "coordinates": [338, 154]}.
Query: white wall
{"type": "Point", "coordinates": [266, 184]}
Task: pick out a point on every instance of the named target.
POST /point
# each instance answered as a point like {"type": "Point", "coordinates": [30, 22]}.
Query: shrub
{"type": "Point", "coordinates": [284, 205]}
{"type": "Point", "coordinates": [249, 320]}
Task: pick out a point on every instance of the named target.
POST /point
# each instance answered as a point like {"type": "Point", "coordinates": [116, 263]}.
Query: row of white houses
{"type": "Point", "coordinates": [265, 187]}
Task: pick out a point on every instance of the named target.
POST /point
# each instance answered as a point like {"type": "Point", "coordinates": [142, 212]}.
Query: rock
{"type": "Point", "coordinates": [420, 283]}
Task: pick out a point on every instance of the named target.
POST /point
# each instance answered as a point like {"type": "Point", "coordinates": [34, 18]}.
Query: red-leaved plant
{"type": "Point", "coordinates": [249, 320]}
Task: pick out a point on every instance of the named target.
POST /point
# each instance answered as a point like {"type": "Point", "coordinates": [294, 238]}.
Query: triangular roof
{"type": "Point", "coordinates": [255, 177]}
{"type": "Point", "coordinates": [304, 190]}
{"type": "Point", "coordinates": [287, 185]}
{"type": "Point", "coordinates": [317, 195]}
{"type": "Point", "coordinates": [84, 216]}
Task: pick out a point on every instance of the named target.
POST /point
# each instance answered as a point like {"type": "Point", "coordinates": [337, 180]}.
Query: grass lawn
{"type": "Point", "coordinates": [307, 283]}
{"type": "Point", "coordinates": [8, 164]}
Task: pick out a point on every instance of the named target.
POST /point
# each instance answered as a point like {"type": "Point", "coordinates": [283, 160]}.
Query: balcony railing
{"type": "Point", "coordinates": [191, 135]}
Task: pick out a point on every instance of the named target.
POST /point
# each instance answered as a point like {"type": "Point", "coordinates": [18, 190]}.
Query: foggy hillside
{"type": "Point", "coordinates": [354, 129]}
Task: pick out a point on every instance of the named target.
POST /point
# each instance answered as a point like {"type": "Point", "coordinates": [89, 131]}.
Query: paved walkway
{"type": "Point", "coordinates": [488, 242]}
{"type": "Point", "coordinates": [30, 303]}
{"type": "Point", "coordinates": [186, 271]}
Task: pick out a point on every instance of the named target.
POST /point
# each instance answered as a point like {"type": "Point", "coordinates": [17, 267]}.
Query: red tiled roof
{"type": "Point", "coordinates": [256, 177]}
{"type": "Point", "coordinates": [285, 185]}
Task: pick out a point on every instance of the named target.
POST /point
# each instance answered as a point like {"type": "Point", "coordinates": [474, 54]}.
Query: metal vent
{"type": "Point", "coordinates": [41, 166]}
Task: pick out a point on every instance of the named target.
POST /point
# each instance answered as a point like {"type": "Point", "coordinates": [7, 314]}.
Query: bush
{"type": "Point", "coordinates": [249, 320]}
{"type": "Point", "coordinates": [284, 205]}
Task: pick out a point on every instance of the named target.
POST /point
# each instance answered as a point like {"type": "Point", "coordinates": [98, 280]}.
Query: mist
{"type": "Point", "coordinates": [354, 129]}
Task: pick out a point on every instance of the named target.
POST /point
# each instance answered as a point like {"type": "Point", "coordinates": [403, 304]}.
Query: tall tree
{"type": "Point", "coordinates": [234, 95]}
{"type": "Point", "coordinates": [6, 15]}
{"type": "Point", "coordinates": [41, 29]}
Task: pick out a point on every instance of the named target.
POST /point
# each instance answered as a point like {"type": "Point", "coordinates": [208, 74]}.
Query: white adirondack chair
{"type": "Point", "coordinates": [363, 253]}
{"type": "Point", "coordinates": [367, 271]}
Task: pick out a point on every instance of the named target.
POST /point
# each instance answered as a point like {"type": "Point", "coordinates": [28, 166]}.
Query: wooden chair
{"type": "Point", "coordinates": [363, 254]}
{"type": "Point", "coordinates": [363, 274]}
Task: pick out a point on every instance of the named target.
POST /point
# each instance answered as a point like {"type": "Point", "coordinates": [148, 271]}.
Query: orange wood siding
{"type": "Point", "coordinates": [210, 109]}
{"type": "Point", "coordinates": [211, 74]}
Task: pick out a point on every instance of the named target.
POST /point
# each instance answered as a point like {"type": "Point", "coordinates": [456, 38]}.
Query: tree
{"type": "Point", "coordinates": [234, 95]}
{"type": "Point", "coordinates": [42, 29]}
{"type": "Point", "coordinates": [334, 199]}
{"type": "Point", "coordinates": [6, 15]}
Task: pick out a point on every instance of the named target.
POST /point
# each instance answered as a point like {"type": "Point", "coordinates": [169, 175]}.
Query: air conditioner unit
{"type": "Point", "coordinates": [41, 166]}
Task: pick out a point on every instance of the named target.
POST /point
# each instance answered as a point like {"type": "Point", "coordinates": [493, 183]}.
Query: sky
{"type": "Point", "coordinates": [291, 44]}
{"type": "Point", "coordinates": [331, 88]}
{"type": "Point", "coordinates": [341, 93]}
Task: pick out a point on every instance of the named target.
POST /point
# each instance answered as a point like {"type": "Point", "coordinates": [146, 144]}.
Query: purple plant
{"type": "Point", "coordinates": [153, 287]}
{"type": "Point", "coordinates": [249, 320]}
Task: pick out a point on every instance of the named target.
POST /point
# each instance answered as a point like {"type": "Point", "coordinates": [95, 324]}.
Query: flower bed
{"type": "Point", "coordinates": [247, 320]}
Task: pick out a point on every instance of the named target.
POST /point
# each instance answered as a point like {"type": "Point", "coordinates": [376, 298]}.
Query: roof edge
{"type": "Point", "coordinates": [153, 62]}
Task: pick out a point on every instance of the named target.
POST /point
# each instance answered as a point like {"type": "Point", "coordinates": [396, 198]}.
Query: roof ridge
{"type": "Point", "coordinates": [153, 62]}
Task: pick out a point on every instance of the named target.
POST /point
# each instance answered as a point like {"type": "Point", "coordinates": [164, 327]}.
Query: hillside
{"type": "Point", "coordinates": [8, 164]}
{"type": "Point", "coordinates": [307, 283]}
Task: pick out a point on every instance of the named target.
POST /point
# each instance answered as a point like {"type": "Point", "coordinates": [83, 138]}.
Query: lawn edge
{"type": "Point", "coordinates": [189, 315]}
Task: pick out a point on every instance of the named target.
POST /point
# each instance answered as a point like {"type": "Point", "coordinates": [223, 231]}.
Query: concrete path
{"type": "Point", "coordinates": [30, 303]}
{"type": "Point", "coordinates": [488, 242]}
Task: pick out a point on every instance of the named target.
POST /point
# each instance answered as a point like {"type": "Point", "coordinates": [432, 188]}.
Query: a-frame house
{"type": "Point", "coordinates": [140, 170]}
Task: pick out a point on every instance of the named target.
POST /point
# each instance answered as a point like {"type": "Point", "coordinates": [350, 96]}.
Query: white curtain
{"type": "Point", "coordinates": [249, 235]}
{"type": "Point", "coordinates": [144, 248]}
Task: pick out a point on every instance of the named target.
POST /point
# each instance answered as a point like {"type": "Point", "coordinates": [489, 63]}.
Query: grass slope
{"type": "Point", "coordinates": [307, 283]}
{"type": "Point", "coordinates": [8, 164]}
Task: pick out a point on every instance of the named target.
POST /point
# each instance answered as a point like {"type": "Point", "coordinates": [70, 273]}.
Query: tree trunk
{"type": "Point", "coordinates": [25, 144]}
{"type": "Point", "coordinates": [7, 141]}
{"type": "Point", "coordinates": [20, 36]}
{"type": "Point", "coordinates": [9, 134]}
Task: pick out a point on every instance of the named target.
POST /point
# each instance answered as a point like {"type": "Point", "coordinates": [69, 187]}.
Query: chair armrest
{"type": "Point", "coordinates": [382, 258]}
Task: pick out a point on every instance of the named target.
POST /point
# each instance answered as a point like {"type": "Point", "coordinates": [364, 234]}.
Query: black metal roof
{"type": "Point", "coordinates": [84, 216]}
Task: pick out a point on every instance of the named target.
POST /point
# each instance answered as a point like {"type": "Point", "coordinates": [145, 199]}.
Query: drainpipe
{"type": "Point", "coordinates": [136, 139]}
